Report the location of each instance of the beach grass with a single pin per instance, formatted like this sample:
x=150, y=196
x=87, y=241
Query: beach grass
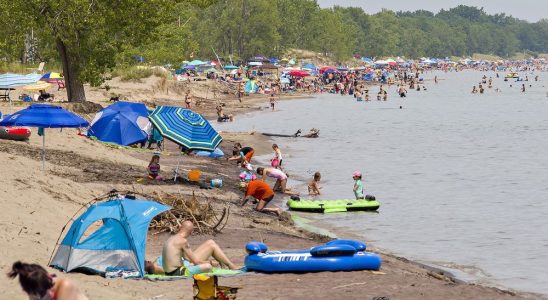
x=136, y=73
x=19, y=68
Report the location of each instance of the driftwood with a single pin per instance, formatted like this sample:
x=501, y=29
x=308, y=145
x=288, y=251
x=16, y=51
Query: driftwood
x=312, y=133
x=205, y=219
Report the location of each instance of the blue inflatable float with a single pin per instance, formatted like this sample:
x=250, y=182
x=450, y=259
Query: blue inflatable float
x=217, y=153
x=337, y=255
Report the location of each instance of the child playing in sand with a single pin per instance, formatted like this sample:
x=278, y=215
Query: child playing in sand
x=358, y=185
x=154, y=168
x=313, y=186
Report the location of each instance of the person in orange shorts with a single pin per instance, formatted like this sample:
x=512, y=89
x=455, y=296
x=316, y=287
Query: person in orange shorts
x=261, y=191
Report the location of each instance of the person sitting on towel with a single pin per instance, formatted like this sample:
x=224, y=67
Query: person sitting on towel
x=45, y=96
x=177, y=247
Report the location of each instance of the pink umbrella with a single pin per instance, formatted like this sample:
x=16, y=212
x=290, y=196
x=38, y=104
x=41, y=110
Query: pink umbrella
x=298, y=73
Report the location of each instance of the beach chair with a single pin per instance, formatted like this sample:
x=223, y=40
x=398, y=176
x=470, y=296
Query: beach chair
x=60, y=85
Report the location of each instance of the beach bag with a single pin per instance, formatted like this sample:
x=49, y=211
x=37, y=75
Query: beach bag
x=207, y=288
x=275, y=162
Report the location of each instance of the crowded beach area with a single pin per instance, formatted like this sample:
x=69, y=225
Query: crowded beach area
x=136, y=170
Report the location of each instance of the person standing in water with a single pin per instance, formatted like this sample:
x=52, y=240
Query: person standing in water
x=276, y=162
x=523, y=88
x=358, y=185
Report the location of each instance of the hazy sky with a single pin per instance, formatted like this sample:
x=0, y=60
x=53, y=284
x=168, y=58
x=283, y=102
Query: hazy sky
x=530, y=10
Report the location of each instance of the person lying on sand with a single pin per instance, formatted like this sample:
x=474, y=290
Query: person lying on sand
x=177, y=247
x=261, y=191
x=38, y=284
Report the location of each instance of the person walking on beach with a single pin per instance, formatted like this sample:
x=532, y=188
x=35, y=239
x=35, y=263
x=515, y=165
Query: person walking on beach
x=188, y=99
x=272, y=101
x=262, y=192
x=241, y=91
x=40, y=285
x=314, y=185
x=177, y=247
x=358, y=185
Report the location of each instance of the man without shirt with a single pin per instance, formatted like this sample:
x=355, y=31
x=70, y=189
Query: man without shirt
x=177, y=247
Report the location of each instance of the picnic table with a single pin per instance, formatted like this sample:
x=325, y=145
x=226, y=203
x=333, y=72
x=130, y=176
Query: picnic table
x=5, y=94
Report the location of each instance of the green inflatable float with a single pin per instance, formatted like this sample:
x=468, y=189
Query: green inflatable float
x=329, y=206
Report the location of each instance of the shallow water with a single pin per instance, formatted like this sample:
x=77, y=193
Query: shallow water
x=462, y=178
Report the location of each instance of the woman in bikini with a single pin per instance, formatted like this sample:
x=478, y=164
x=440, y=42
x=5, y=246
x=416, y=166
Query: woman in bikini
x=40, y=285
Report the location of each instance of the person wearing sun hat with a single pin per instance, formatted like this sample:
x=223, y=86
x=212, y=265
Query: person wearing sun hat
x=358, y=185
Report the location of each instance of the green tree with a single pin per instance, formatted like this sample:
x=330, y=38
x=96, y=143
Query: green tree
x=89, y=34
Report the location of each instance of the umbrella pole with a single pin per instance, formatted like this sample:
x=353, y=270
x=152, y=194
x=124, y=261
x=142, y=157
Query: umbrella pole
x=44, y=150
x=176, y=170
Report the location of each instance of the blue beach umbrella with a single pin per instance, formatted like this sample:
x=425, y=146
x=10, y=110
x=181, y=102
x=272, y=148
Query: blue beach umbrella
x=185, y=127
x=44, y=116
x=122, y=123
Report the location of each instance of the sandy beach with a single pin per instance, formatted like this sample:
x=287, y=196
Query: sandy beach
x=37, y=204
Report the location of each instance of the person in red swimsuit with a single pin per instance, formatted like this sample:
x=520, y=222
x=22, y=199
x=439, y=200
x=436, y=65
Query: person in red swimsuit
x=38, y=284
x=261, y=191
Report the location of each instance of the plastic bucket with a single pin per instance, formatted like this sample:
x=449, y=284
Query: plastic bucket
x=194, y=175
x=216, y=183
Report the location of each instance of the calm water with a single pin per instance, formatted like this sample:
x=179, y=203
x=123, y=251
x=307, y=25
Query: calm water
x=462, y=178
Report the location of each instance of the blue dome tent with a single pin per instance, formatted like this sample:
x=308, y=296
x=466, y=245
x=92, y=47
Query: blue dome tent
x=122, y=123
x=118, y=243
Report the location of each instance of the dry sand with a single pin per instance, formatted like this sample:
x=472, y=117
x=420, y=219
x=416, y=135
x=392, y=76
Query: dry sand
x=36, y=204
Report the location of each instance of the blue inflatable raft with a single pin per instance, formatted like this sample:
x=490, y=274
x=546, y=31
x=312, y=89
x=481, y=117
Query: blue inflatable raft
x=337, y=255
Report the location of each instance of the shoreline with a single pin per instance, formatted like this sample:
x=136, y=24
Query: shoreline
x=79, y=169
x=434, y=270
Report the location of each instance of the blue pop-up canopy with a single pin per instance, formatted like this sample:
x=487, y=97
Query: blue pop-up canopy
x=118, y=243
x=122, y=123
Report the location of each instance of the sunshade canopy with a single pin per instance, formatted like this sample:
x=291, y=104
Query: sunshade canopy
x=185, y=127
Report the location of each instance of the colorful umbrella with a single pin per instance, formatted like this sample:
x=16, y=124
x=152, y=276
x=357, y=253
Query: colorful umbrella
x=185, y=127
x=44, y=116
x=230, y=67
x=11, y=80
x=323, y=69
x=298, y=73
x=51, y=77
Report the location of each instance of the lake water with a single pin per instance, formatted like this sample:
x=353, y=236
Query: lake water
x=462, y=178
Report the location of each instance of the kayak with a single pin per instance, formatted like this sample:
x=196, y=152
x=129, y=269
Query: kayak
x=14, y=133
x=329, y=206
x=337, y=255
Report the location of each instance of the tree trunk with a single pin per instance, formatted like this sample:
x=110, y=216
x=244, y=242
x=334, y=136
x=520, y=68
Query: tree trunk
x=75, y=88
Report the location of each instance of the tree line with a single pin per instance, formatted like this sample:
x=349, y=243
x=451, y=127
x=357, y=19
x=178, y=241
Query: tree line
x=90, y=37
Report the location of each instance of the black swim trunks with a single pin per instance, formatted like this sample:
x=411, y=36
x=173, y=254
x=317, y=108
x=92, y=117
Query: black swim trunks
x=180, y=271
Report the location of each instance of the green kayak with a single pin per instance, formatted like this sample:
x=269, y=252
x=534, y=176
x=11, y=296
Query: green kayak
x=328, y=206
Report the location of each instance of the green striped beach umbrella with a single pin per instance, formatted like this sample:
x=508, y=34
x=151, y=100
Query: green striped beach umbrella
x=185, y=127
